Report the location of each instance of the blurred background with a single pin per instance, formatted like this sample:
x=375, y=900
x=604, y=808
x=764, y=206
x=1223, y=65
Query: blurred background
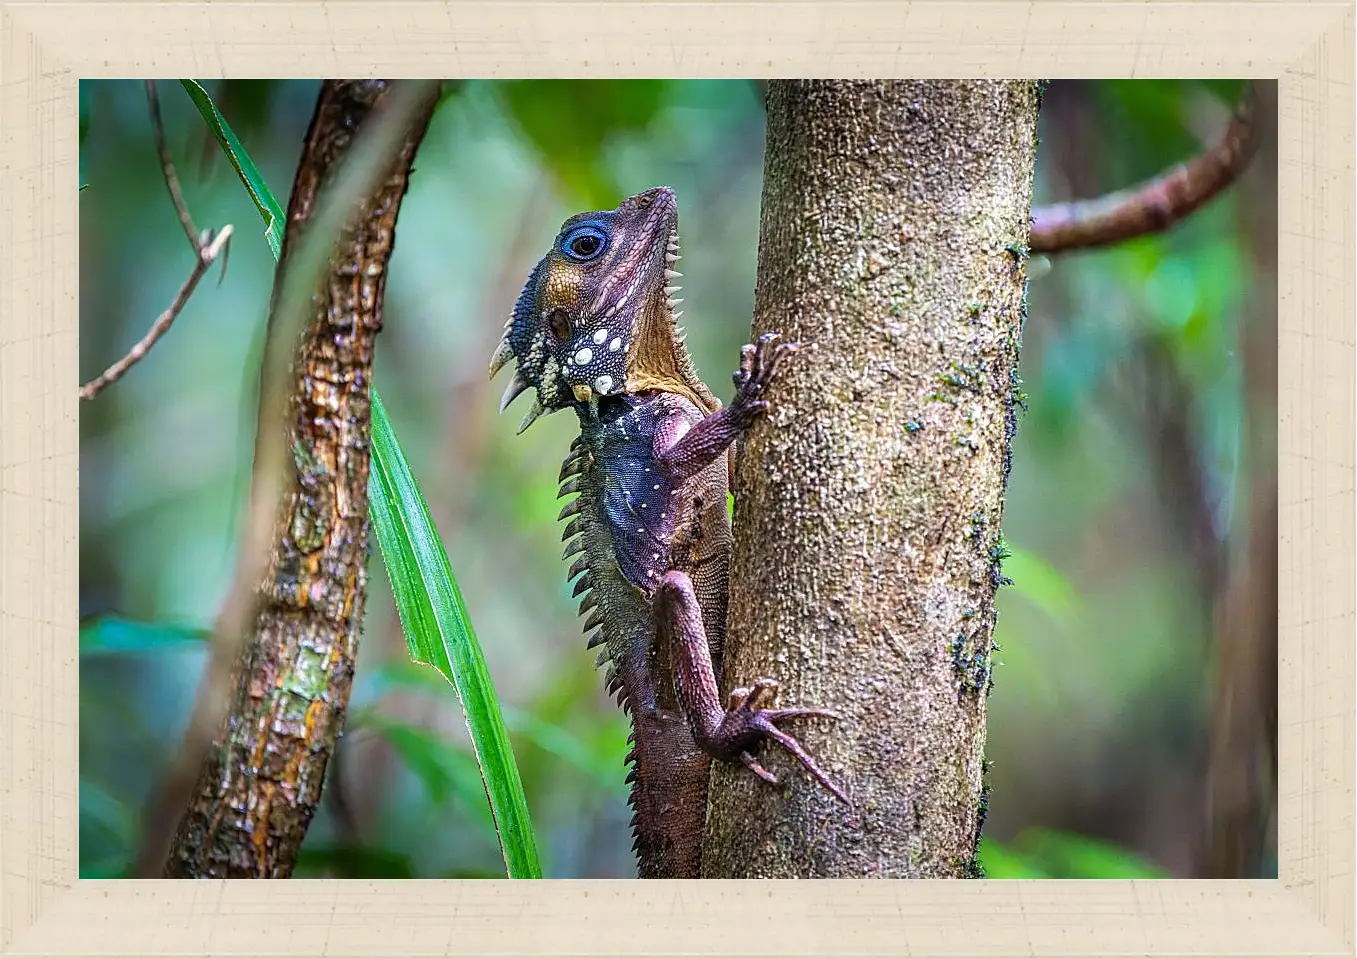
x=1145, y=435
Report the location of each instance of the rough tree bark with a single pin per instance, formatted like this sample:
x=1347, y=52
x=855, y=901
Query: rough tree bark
x=893, y=245
x=261, y=781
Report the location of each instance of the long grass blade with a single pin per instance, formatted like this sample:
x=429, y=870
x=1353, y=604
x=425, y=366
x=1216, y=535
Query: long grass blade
x=249, y=174
x=438, y=633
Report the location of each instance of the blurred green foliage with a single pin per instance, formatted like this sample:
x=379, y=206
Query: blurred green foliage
x=1047, y=853
x=1097, y=719
x=111, y=635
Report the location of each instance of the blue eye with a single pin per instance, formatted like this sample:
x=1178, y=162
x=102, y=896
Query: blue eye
x=583, y=243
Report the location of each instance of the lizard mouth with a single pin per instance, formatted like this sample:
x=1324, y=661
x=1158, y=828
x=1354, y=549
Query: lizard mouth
x=586, y=395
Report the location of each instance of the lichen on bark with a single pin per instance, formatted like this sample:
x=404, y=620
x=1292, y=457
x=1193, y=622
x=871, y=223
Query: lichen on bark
x=869, y=503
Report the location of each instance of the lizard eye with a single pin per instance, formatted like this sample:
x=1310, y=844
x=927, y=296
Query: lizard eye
x=559, y=323
x=584, y=243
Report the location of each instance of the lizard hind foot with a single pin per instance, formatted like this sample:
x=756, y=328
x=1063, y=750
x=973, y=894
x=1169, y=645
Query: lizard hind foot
x=751, y=718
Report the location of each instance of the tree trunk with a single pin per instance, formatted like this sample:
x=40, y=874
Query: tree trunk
x=260, y=784
x=1241, y=777
x=867, y=544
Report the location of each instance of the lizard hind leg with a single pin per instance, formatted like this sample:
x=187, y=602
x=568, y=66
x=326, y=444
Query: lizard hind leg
x=731, y=734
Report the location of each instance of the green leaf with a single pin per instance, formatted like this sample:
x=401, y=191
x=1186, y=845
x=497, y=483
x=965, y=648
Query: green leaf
x=600, y=760
x=437, y=629
x=465, y=873
x=98, y=808
x=569, y=748
x=84, y=187
x=438, y=633
x=573, y=122
x=404, y=674
x=117, y=865
x=112, y=635
x=249, y=173
x=1001, y=862
x=83, y=97
x=1229, y=92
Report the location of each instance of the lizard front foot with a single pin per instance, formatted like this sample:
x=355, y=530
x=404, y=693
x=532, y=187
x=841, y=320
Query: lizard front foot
x=750, y=718
x=758, y=365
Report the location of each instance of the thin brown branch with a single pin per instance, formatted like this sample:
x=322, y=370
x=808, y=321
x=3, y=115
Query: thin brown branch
x=1154, y=206
x=206, y=249
x=167, y=167
x=207, y=255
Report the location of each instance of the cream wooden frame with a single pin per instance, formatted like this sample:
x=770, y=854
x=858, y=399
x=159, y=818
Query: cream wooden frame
x=45, y=47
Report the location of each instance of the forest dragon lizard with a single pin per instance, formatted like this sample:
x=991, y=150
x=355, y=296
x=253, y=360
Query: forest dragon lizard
x=595, y=329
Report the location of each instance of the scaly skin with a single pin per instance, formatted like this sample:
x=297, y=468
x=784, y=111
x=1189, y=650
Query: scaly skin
x=595, y=330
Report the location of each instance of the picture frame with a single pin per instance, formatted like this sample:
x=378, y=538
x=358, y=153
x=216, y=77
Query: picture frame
x=45, y=48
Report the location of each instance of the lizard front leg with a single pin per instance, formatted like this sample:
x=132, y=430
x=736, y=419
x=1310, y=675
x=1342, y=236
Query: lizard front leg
x=684, y=448
x=732, y=734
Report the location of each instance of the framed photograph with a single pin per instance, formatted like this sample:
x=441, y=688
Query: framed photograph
x=599, y=453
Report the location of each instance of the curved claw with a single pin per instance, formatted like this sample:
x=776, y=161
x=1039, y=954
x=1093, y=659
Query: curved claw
x=759, y=363
x=742, y=375
x=756, y=372
x=782, y=351
x=762, y=695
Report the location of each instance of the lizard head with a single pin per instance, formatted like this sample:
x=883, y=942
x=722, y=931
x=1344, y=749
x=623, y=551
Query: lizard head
x=596, y=317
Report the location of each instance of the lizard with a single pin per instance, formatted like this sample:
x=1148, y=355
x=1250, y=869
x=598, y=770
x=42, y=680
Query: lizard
x=595, y=329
